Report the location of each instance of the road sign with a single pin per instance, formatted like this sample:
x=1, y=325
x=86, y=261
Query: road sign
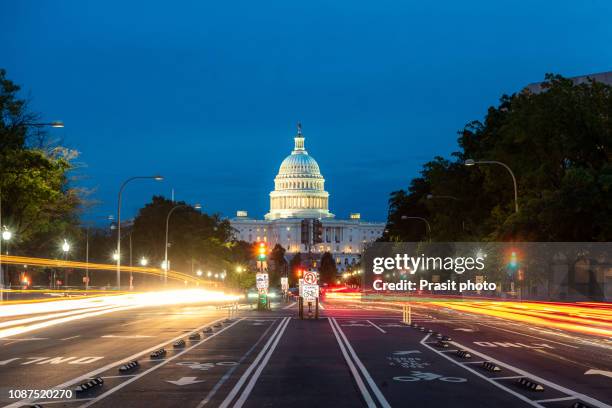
x=261, y=280
x=284, y=284
x=310, y=278
x=310, y=293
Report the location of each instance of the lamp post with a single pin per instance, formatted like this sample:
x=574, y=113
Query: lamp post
x=471, y=162
x=405, y=217
x=6, y=236
x=65, y=249
x=166, y=265
x=156, y=178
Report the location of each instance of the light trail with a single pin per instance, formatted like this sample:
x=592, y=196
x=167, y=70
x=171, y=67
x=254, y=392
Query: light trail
x=99, y=306
x=590, y=318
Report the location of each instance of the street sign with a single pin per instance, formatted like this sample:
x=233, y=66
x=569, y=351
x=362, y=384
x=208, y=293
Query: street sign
x=310, y=278
x=300, y=286
x=284, y=284
x=310, y=293
x=261, y=280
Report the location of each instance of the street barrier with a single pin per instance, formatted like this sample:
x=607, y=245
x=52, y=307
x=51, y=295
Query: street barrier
x=194, y=336
x=88, y=385
x=530, y=385
x=489, y=366
x=463, y=354
x=179, y=343
x=129, y=366
x=159, y=353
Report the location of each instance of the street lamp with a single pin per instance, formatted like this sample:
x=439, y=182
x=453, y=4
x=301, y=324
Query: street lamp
x=6, y=236
x=144, y=261
x=65, y=249
x=54, y=124
x=239, y=269
x=471, y=162
x=197, y=206
x=115, y=256
x=405, y=217
x=209, y=274
x=199, y=272
x=156, y=178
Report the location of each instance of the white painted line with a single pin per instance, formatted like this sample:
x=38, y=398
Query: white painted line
x=527, y=335
x=119, y=376
x=448, y=351
x=510, y=377
x=229, y=373
x=381, y=398
x=472, y=362
x=95, y=372
x=378, y=328
x=556, y=399
x=232, y=394
x=264, y=362
x=70, y=338
x=290, y=305
x=364, y=391
x=65, y=401
x=585, y=398
x=155, y=367
x=516, y=394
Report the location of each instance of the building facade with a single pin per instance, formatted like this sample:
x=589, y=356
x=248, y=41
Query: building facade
x=298, y=199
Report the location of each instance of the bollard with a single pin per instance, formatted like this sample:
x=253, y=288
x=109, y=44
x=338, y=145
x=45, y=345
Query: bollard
x=406, y=314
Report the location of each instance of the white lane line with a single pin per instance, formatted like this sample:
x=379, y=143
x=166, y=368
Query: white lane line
x=527, y=335
x=381, y=398
x=119, y=376
x=378, y=328
x=65, y=401
x=290, y=305
x=95, y=372
x=232, y=394
x=364, y=391
x=585, y=398
x=229, y=372
x=557, y=399
x=516, y=394
x=71, y=337
x=155, y=367
x=247, y=390
x=510, y=377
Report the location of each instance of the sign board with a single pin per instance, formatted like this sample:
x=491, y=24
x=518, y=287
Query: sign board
x=310, y=278
x=261, y=280
x=310, y=293
x=285, y=283
x=300, y=286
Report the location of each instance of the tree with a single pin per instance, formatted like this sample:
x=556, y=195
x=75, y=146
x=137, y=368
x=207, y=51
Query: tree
x=38, y=203
x=557, y=142
x=328, y=271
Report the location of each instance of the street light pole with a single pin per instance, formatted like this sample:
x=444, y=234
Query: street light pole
x=405, y=217
x=166, y=266
x=157, y=178
x=470, y=162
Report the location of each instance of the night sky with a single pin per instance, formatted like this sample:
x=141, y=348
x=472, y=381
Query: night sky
x=208, y=93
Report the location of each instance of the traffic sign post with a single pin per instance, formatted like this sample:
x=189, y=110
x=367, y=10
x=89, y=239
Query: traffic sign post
x=309, y=294
x=262, y=283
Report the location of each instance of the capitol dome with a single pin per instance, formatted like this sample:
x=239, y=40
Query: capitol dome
x=299, y=186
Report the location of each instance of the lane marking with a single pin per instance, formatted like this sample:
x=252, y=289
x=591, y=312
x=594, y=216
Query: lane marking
x=71, y=337
x=381, y=398
x=229, y=372
x=155, y=367
x=232, y=394
x=135, y=336
x=583, y=397
x=255, y=376
x=364, y=391
x=556, y=399
x=488, y=379
x=290, y=305
x=378, y=328
x=107, y=367
x=510, y=377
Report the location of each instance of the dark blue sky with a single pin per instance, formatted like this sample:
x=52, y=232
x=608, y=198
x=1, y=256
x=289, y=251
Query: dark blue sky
x=208, y=93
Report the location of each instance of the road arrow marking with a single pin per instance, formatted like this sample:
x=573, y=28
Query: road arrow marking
x=185, y=381
x=600, y=372
x=464, y=330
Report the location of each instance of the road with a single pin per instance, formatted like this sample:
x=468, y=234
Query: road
x=354, y=355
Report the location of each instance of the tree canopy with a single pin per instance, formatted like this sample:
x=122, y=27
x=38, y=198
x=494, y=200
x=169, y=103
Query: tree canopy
x=557, y=142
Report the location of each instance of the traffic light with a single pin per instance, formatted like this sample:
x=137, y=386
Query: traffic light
x=262, y=251
x=305, y=232
x=513, y=260
x=317, y=227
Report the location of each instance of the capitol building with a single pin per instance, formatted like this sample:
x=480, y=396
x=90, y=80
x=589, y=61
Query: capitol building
x=299, y=218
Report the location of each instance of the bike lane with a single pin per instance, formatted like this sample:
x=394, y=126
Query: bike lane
x=406, y=372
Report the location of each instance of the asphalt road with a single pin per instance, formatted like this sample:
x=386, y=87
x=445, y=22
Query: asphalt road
x=354, y=355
